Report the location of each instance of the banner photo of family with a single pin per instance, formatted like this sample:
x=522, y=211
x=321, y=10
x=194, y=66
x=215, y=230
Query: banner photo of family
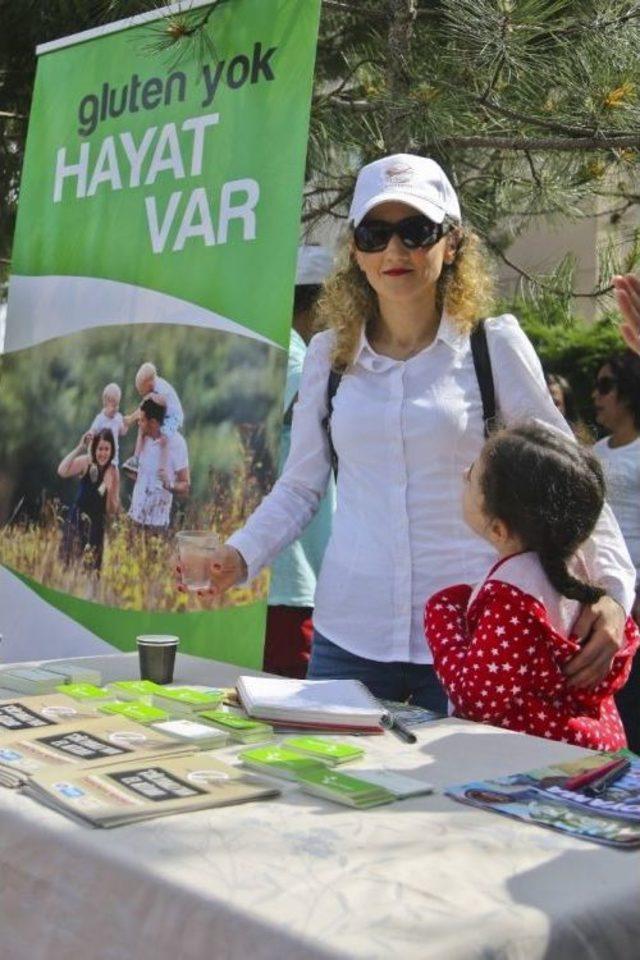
x=93, y=492
x=148, y=322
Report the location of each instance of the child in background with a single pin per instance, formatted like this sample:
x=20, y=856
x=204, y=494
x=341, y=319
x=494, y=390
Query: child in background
x=110, y=417
x=499, y=649
x=148, y=383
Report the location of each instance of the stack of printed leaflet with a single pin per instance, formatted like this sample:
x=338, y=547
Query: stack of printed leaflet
x=186, y=701
x=311, y=761
x=541, y=798
x=341, y=706
x=199, y=736
x=90, y=741
x=132, y=690
x=46, y=678
x=239, y=728
x=30, y=680
x=36, y=712
x=410, y=714
x=133, y=709
x=73, y=672
x=140, y=789
x=85, y=692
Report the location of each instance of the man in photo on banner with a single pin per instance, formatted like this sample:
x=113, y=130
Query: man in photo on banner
x=163, y=470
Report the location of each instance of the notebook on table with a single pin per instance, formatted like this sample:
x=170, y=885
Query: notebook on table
x=342, y=706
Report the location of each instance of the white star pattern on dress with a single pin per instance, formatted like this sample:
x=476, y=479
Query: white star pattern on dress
x=469, y=661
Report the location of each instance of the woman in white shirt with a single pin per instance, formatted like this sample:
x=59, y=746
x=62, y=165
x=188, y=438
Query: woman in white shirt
x=616, y=398
x=406, y=422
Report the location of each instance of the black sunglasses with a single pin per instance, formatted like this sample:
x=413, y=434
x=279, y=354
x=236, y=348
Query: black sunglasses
x=373, y=236
x=605, y=385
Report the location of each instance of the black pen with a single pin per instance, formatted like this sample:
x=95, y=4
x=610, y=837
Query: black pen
x=596, y=787
x=391, y=723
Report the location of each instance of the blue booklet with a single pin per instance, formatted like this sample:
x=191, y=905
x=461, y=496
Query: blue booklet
x=539, y=797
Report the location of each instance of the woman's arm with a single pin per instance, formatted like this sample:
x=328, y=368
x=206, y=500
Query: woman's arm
x=112, y=479
x=286, y=511
x=76, y=461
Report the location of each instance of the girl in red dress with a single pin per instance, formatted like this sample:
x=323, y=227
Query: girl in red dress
x=499, y=649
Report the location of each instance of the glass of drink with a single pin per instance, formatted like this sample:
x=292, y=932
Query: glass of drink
x=195, y=548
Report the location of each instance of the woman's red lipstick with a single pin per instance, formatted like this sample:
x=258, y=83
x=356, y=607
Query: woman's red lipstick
x=396, y=272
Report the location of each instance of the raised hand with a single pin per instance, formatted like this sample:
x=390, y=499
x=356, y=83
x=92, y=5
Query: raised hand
x=627, y=291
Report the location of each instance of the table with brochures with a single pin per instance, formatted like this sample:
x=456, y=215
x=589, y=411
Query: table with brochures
x=299, y=878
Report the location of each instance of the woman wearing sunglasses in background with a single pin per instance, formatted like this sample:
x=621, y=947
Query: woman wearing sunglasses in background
x=616, y=397
x=406, y=421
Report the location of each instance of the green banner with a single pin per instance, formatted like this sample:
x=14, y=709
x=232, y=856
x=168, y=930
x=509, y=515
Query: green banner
x=154, y=262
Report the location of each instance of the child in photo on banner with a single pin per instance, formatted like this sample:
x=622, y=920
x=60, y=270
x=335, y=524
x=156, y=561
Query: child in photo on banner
x=499, y=648
x=110, y=417
x=150, y=384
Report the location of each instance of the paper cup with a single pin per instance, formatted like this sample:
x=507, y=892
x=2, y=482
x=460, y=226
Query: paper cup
x=195, y=548
x=157, y=654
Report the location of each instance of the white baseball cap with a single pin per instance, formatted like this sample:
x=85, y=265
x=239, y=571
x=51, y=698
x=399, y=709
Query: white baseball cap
x=315, y=263
x=417, y=181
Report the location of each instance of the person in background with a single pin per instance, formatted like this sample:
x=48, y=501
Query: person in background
x=616, y=397
x=150, y=384
x=499, y=649
x=562, y=395
x=295, y=571
x=155, y=484
x=97, y=498
x=110, y=417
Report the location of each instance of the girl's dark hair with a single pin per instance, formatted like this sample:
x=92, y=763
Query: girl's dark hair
x=625, y=368
x=557, y=380
x=549, y=491
x=107, y=435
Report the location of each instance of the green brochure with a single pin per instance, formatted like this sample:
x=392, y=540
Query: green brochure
x=133, y=689
x=327, y=750
x=84, y=691
x=341, y=788
x=278, y=762
x=239, y=728
x=134, y=710
x=186, y=700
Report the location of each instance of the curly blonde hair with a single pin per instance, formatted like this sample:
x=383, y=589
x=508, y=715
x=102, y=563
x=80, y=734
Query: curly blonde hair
x=348, y=304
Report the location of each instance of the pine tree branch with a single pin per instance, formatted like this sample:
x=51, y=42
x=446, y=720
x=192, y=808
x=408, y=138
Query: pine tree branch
x=201, y=23
x=599, y=25
x=323, y=98
x=542, y=143
x=329, y=208
x=493, y=107
x=537, y=282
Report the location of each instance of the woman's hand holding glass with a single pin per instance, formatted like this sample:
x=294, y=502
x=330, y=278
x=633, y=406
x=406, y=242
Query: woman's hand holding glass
x=227, y=568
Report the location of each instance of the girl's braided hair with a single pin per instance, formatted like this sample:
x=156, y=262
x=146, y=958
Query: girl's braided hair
x=549, y=491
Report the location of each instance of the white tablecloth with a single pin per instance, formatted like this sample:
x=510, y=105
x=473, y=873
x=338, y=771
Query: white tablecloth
x=301, y=878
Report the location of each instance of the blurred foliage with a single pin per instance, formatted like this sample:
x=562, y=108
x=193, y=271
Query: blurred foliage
x=569, y=346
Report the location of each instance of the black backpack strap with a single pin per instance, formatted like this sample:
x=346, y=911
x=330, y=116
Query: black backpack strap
x=482, y=364
x=332, y=385
x=287, y=420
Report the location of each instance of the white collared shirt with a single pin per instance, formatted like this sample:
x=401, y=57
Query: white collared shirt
x=404, y=431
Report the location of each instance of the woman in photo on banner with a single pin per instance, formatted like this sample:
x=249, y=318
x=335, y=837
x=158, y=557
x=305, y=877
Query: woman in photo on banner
x=97, y=498
x=406, y=422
